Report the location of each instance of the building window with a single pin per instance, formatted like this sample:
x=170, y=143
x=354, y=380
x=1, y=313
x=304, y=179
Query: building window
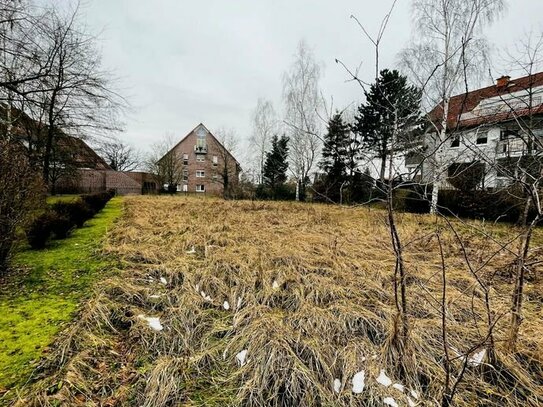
x=200, y=188
x=455, y=141
x=215, y=160
x=482, y=138
x=185, y=159
x=200, y=157
x=185, y=187
x=185, y=175
x=508, y=134
x=200, y=174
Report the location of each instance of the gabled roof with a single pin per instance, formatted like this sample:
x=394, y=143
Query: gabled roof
x=81, y=153
x=211, y=134
x=493, y=104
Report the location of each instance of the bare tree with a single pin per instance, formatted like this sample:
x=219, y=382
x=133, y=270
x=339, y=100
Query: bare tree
x=227, y=168
x=302, y=104
x=165, y=164
x=119, y=155
x=77, y=96
x=265, y=125
x=448, y=51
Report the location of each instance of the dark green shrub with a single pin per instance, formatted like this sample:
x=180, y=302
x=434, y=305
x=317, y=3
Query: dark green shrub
x=61, y=226
x=97, y=201
x=77, y=211
x=39, y=230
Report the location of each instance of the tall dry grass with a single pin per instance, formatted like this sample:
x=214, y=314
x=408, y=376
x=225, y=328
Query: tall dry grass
x=305, y=292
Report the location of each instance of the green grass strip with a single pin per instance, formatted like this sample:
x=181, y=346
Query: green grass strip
x=38, y=303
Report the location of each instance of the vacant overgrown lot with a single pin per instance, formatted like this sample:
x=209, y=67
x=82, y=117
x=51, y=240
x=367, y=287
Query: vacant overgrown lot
x=282, y=304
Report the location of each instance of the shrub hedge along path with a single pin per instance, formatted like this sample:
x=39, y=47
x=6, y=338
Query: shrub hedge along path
x=45, y=292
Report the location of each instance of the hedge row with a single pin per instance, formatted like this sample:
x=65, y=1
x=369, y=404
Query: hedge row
x=504, y=205
x=63, y=217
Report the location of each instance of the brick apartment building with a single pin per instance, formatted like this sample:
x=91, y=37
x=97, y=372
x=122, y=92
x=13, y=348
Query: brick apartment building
x=205, y=165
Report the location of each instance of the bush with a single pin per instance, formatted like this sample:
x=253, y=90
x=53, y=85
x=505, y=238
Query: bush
x=78, y=212
x=21, y=192
x=40, y=229
x=97, y=201
x=61, y=226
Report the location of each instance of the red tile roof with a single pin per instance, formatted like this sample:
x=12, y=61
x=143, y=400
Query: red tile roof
x=467, y=102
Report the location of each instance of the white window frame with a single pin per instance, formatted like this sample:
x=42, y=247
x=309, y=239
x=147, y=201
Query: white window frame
x=200, y=174
x=200, y=188
x=215, y=160
x=200, y=157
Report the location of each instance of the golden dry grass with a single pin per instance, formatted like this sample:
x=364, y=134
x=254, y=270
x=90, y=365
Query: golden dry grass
x=309, y=293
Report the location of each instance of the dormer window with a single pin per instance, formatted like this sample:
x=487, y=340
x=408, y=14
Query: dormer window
x=482, y=138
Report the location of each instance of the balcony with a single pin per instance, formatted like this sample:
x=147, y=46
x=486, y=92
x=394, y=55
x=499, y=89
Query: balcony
x=200, y=149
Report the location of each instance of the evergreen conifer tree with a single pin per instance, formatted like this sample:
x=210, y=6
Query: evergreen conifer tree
x=391, y=105
x=276, y=165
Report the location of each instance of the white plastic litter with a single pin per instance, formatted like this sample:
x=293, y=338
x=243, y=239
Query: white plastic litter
x=226, y=305
x=154, y=322
x=359, y=382
x=163, y=280
x=192, y=250
x=275, y=285
x=399, y=387
x=239, y=303
x=414, y=394
x=389, y=401
x=410, y=402
x=154, y=296
x=197, y=287
x=337, y=385
x=477, y=358
x=241, y=357
x=384, y=379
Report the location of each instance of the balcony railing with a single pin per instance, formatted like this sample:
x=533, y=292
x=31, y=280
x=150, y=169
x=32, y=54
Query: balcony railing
x=200, y=149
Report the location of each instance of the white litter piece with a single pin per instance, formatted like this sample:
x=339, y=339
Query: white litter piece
x=410, y=402
x=477, y=358
x=197, y=287
x=363, y=359
x=275, y=285
x=224, y=355
x=389, y=401
x=191, y=251
x=384, y=379
x=374, y=357
x=226, y=305
x=155, y=296
x=239, y=302
x=163, y=280
x=399, y=387
x=208, y=298
x=359, y=382
x=414, y=394
x=202, y=293
x=337, y=385
x=241, y=357
x=154, y=322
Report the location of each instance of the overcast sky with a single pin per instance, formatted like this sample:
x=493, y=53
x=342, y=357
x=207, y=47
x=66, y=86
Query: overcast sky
x=185, y=62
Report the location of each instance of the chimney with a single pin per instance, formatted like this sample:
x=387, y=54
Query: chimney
x=503, y=81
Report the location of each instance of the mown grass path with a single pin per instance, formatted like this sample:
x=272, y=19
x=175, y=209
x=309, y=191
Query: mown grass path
x=34, y=308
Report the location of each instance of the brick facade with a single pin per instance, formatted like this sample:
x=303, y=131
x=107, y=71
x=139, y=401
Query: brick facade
x=92, y=180
x=205, y=162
